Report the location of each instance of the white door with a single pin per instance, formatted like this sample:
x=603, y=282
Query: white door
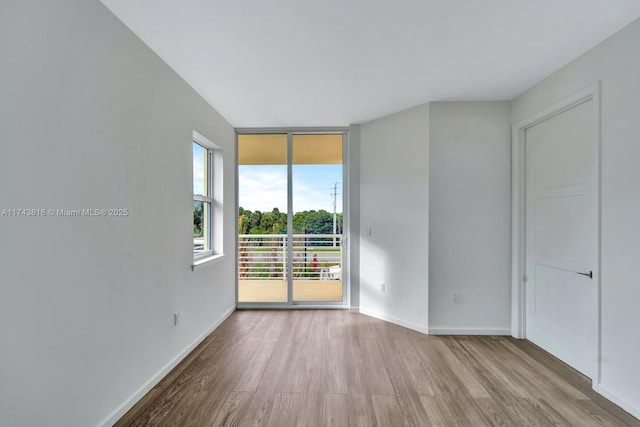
x=561, y=246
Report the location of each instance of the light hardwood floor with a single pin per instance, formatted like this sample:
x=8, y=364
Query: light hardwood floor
x=333, y=367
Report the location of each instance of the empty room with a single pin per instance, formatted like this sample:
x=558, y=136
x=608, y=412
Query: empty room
x=346, y=213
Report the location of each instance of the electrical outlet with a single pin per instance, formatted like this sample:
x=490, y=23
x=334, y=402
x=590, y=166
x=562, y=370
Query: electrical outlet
x=383, y=287
x=369, y=231
x=176, y=318
x=455, y=297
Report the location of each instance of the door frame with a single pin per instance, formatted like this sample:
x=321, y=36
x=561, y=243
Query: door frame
x=346, y=246
x=518, y=215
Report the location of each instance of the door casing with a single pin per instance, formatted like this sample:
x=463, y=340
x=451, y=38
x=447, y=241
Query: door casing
x=518, y=188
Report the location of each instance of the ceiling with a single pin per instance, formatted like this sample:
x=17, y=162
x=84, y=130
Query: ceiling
x=271, y=63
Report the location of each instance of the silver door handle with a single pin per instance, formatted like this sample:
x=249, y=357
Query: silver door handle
x=589, y=274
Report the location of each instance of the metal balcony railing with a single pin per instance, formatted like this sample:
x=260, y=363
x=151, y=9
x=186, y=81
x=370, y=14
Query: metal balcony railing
x=315, y=256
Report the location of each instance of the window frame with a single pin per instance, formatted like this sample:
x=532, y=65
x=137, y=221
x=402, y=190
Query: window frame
x=209, y=198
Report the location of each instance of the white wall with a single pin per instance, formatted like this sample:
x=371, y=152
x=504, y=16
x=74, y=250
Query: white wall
x=91, y=118
x=394, y=195
x=616, y=63
x=470, y=217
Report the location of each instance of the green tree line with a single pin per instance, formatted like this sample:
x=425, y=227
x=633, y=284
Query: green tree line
x=197, y=219
x=275, y=222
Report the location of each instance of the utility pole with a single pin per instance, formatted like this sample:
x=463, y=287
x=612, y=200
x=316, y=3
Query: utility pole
x=334, y=194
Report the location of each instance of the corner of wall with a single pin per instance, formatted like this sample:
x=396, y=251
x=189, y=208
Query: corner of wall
x=469, y=249
x=394, y=217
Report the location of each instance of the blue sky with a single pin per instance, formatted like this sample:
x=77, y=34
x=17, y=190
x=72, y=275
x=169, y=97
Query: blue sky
x=265, y=187
x=198, y=169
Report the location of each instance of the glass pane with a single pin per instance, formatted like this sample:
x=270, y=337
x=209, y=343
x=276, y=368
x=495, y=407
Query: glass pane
x=200, y=178
x=201, y=227
x=206, y=225
x=262, y=222
x=317, y=218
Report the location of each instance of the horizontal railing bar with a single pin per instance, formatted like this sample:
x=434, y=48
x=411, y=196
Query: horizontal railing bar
x=324, y=248
x=295, y=257
x=284, y=236
x=301, y=249
x=280, y=279
x=332, y=254
x=259, y=264
x=327, y=245
x=315, y=257
x=264, y=248
x=295, y=260
x=279, y=274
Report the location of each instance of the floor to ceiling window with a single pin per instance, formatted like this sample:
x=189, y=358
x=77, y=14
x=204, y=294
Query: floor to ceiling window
x=290, y=218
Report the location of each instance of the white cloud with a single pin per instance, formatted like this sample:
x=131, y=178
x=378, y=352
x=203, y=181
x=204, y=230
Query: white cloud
x=307, y=196
x=265, y=187
x=198, y=170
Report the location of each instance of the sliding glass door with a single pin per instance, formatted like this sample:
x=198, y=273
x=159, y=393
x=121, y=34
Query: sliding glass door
x=290, y=219
x=262, y=218
x=317, y=218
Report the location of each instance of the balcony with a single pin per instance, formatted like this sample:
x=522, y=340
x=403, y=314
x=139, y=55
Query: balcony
x=316, y=267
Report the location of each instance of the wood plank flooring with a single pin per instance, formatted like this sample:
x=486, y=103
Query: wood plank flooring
x=336, y=368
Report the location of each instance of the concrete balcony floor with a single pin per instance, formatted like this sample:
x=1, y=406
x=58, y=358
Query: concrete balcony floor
x=276, y=290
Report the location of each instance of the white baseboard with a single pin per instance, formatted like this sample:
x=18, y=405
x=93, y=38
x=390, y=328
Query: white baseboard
x=470, y=331
x=630, y=408
x=153, y=381
x=435, y=331
x=395, y=320
x=354, y=309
